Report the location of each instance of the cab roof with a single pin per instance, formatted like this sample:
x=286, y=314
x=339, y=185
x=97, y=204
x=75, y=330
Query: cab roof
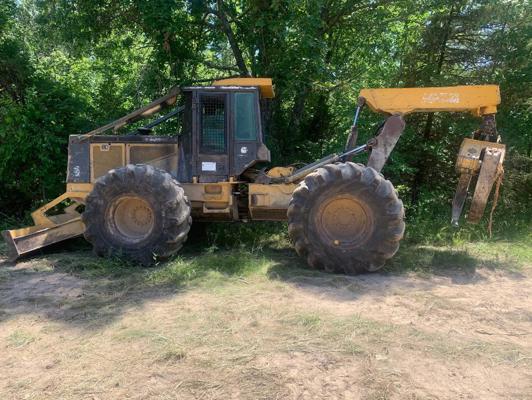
x=265, y=85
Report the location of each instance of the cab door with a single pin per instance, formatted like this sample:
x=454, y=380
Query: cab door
x=212, y=144
x=246, y=130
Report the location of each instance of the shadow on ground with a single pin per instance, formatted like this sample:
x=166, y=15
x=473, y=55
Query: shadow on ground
x=459, y=265
x=68, y=284
x=414, y=267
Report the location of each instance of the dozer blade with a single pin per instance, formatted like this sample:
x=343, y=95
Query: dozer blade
x=489, y=173
x=25, y=240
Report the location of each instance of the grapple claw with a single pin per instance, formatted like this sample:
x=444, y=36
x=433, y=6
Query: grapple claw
x=476, y=158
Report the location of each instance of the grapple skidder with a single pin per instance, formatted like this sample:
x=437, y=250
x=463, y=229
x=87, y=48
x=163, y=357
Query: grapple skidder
x=136, y=194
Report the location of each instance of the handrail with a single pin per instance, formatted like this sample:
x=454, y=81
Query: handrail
x=140, y=113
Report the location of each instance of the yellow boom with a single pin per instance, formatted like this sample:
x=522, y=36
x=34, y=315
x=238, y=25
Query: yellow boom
x=480, y=156
x=479, y=100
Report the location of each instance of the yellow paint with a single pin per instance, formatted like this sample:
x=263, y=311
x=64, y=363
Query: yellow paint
x=211, y=192
x=468, y=160
x=80, y=187
x=264, y=84
x=271, y=196
x=48, y=229
x=39, y=215
x=269, y=202
x=479, y=100
x=25, y=240
x=212, y=197
x=280, y=172
x=105, y=164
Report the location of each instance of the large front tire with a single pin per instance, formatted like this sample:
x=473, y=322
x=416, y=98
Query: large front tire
x=346, y=218
x=137, y=211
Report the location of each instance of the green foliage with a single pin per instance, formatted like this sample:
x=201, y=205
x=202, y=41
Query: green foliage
x=34, y=137
x=209, y=268
x=67, y=66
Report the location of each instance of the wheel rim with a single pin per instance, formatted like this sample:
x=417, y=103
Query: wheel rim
x=344, y=221
x=132, y=218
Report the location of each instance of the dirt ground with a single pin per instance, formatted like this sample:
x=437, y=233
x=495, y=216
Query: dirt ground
x=272, y=335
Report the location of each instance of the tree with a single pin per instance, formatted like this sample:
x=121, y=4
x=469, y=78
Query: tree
x=70, y=65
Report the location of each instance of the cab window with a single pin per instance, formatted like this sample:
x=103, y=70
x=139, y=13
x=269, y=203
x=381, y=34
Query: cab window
x=213, y=137
x=245, y=116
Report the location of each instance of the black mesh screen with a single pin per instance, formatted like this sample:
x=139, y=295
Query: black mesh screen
x=213, y=124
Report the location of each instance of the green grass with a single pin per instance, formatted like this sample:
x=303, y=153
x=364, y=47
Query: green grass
x=518, y=250
x=242, y=251
x=86, y=265
x=19, y=339
x=309, y=321
x=428, y=259
x=211, y=267
x=356, y=335
x=171, y=355
x=221, y=306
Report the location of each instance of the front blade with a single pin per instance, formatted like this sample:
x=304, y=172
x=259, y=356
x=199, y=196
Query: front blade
x=26, y=240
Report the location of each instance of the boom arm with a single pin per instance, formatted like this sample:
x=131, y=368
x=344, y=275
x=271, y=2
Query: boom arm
x=479, y=100
x=480, y=157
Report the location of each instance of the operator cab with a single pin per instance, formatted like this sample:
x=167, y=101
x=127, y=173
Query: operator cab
x=222, y=133
x=220, y=136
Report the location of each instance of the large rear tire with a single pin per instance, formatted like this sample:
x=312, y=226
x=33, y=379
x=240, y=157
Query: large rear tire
x=346, y=218
x=137, y=211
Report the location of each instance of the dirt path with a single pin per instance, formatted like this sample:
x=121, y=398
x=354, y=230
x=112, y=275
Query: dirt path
x=380, y=336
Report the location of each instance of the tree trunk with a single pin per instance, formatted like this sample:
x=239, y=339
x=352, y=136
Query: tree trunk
x=237, y=52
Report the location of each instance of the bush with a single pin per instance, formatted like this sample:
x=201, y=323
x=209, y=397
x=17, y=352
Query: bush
x=34, y=138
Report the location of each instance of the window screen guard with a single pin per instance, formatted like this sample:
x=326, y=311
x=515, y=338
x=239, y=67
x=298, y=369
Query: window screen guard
x=213, y=132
